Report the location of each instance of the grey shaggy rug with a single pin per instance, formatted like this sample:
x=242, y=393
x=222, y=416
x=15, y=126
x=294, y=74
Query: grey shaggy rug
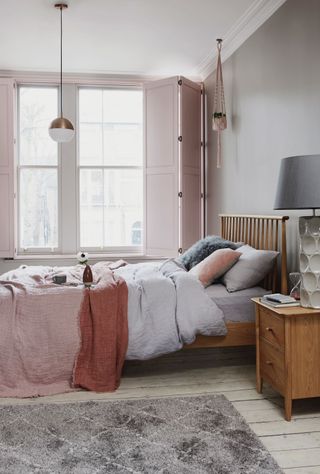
x=190, y=435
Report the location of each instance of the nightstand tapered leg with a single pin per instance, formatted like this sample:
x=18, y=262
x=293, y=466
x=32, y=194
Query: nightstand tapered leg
x=259, y=383
x=287, y=408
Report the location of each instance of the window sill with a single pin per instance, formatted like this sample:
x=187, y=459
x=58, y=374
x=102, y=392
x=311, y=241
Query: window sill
x=70, y=260
x=92, y=257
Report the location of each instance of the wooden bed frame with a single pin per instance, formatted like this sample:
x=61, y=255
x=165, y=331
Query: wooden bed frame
x=261, y=232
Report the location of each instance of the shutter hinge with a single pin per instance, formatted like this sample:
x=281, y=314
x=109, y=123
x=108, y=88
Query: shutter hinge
x=180, y=138
x=14, y=141
x=180, y=194
x=180, y=250
x=180, y=82
x=201, y=143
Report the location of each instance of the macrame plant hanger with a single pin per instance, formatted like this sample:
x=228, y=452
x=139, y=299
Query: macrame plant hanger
x=219, y=117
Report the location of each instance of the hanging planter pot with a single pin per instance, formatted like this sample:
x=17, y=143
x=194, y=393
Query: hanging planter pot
x=219, y=116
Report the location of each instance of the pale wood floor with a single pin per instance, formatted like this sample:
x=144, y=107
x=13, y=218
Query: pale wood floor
x=295, y=445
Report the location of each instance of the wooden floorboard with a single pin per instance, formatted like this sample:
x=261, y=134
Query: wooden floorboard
x=303, y=470
x=295, y=445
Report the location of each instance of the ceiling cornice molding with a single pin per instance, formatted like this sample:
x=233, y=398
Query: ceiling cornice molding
x=94, y=79
x=75, y=78
x=257, y=14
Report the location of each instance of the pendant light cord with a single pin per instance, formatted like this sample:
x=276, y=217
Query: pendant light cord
x=61, y=111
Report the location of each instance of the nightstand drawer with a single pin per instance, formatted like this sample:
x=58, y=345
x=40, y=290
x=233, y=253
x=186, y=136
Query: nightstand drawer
x=272, y=365
x=271, y=327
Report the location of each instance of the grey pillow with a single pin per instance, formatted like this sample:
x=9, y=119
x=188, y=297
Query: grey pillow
x=251, y=268
x=203, y=248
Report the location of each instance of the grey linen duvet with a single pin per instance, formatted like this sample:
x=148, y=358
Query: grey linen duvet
x=167, y=308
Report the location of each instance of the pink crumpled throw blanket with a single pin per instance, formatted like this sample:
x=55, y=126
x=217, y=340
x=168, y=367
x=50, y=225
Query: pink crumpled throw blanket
x=39, y=331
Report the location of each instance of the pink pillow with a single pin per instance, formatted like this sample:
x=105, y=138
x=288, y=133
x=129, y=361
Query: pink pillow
x=215, y=265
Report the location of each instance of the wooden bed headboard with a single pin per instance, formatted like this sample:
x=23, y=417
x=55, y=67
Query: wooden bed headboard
x=261, y=232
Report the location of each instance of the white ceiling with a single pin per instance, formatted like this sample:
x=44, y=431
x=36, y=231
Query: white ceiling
x=148, y=37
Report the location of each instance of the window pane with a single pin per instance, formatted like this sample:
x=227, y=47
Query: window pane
x=90, y=144
x=38, y=106
x=123, y=207
x=121, y=106
x=91, y=208
x=123, y=144
x=110, y=124
x=38, y=208
x=111, y=208
x=90, y=105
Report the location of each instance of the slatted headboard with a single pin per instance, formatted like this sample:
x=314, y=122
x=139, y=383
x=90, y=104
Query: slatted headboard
x=261, y=232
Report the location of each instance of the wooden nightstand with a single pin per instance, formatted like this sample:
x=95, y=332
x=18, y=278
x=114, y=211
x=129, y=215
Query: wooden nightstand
x=288, y=351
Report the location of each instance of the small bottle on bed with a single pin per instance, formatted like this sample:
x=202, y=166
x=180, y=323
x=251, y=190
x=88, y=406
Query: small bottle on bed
x=87, y=277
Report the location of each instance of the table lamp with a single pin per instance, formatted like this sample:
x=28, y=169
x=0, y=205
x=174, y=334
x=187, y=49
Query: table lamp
x=299, y=188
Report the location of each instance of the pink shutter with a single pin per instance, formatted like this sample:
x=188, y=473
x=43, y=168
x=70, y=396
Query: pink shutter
x=161, y=236
x=6, y=167
x=191, y=211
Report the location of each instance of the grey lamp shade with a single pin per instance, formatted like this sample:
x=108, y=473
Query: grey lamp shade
x=299, y=183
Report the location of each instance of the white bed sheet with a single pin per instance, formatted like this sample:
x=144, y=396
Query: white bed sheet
x=236, y=306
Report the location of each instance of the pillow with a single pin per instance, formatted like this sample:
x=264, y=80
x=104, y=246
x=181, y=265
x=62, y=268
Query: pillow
x=215, y=265
x=204, y=247
x=251, y=268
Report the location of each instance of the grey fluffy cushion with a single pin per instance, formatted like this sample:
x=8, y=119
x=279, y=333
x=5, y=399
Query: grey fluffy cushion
x=203, y=248
x=251, y=268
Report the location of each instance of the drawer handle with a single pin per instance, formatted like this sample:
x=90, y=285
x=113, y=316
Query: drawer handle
x=268, y=362
x=269, y=329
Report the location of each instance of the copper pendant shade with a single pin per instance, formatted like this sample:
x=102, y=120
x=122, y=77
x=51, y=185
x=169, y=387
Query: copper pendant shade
x=61, y=129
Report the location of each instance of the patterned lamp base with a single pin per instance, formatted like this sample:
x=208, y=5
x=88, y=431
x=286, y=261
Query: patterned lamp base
x=309, y=229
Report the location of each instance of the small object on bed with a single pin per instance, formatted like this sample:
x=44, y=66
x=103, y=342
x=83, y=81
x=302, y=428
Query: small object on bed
x=203, y=248
x=82, y=257
x=87, y=276
x=59, y=279
x=215, y=265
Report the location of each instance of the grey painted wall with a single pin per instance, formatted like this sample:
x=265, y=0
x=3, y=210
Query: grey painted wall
x=272, y=87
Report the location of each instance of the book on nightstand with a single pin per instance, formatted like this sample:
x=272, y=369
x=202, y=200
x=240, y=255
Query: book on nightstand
x=277, y=300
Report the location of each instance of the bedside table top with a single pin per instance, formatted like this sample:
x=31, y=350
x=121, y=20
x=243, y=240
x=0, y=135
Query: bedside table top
x=293, y=311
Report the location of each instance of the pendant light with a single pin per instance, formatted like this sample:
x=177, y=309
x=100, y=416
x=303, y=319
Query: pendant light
x=61, y=129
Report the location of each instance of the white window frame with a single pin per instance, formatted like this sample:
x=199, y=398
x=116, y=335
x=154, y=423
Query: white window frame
x=68, y=159
x=137, y=249
x=19, y=167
